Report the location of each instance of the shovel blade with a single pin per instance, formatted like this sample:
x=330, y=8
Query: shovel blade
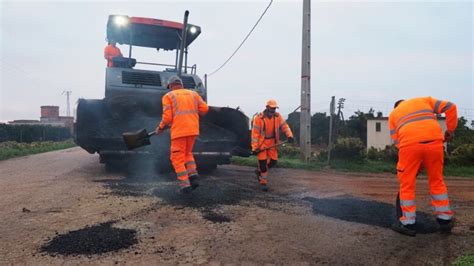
x=136, y=139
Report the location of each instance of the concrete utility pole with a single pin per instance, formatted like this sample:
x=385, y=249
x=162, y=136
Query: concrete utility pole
x=305, y=118
x=332, y=109
x=68, y=106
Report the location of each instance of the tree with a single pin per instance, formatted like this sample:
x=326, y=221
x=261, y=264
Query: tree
x=319, y=129
x=356, y=125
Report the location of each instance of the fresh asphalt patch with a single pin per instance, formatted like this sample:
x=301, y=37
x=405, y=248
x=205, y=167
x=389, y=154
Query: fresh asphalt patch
x=368, y=212
x=91, y=240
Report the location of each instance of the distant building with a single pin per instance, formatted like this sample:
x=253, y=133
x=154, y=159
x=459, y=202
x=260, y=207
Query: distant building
x=378, y=133
x=49, y=116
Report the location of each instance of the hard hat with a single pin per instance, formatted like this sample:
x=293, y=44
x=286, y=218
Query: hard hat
x=174, y=79
x=272, y=104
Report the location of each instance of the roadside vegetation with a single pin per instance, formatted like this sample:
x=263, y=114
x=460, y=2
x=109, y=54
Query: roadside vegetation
x=466, y=260
x=10, y=149
x=30, y=133
x=350, y=153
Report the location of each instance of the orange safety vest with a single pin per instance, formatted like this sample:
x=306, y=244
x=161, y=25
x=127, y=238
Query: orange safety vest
x=414, y=120
x=261, y=123
x=110, y=52
x=181, y=110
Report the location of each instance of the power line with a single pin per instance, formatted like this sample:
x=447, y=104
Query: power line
x=245, y=39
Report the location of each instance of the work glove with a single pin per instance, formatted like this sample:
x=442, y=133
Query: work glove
x=291, y=140
x=448, y=136
x=159, y=130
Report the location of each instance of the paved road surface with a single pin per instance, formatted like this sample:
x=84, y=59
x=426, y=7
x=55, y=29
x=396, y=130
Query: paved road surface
x=62, y=207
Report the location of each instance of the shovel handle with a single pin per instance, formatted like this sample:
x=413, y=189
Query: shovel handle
x=151, y=133
x=274, y=145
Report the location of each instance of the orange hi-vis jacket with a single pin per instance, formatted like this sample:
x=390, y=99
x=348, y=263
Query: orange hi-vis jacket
x=260, y=125
x=111, y=52
x=414, y=120
x=181, y=110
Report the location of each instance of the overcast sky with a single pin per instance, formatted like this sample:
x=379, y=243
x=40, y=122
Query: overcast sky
x=371, y=53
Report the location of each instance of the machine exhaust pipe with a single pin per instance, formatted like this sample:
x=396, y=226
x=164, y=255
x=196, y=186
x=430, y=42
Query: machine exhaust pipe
x=184, y=34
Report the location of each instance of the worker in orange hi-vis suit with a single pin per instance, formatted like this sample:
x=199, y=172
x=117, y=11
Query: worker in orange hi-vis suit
x=181, y=110
x=415, y=131
x=266, y=128
x=110, y=52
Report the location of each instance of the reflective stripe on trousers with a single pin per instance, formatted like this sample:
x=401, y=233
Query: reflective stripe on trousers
x=181, y=156
x=410, y=158
x=441, y=208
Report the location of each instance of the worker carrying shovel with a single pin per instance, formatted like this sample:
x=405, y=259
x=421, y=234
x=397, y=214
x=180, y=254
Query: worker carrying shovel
x=415, y=131
x=266, y=128
x=181, y=111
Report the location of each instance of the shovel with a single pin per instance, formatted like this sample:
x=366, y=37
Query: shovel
x=137, y=139
x=247, y=153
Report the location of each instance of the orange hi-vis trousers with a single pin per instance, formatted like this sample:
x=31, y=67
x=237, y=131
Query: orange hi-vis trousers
x=182, y=159
x=267, y=156
x=410, y=158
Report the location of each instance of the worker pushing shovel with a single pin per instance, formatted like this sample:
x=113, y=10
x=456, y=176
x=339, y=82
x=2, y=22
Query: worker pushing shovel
x=181, y=111
x=415, y=131
x=266, y=128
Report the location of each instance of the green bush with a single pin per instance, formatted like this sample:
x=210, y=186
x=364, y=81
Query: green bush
x=374, y=154
x=10, y=149
x=322, y=156
x=31, y=133
x=289, y=151
x=389, y=154
x=462, y=155
x=349, y=149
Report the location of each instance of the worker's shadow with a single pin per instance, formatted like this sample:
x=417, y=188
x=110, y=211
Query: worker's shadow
x=367, y=212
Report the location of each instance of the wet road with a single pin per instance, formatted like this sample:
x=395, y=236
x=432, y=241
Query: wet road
x=61, y=207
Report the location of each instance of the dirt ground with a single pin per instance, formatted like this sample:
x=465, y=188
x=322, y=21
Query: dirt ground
x=63, y=208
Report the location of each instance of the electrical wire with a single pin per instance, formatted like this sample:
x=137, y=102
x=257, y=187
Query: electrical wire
x=242, y=43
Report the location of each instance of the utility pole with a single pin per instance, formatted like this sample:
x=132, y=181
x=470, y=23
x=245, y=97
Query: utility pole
x=305, y=118
x=68, y=106
x=332, y=108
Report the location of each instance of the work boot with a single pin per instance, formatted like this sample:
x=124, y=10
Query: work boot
x=445, y=226
x=194, y=181
x=258, y=173
x=187, y=190
x=408, y=229
x=264, y=187
x=186, y=187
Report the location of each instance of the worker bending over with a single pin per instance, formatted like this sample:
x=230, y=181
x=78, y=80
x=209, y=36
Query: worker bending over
x=266, y=129
x=414, y=129
x=181, y=111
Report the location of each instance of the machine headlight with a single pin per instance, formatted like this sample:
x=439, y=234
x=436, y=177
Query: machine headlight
x=193, y=30
x=121, y=21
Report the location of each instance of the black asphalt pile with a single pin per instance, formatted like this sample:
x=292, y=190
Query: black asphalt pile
x=91, y=240
x=367, y=212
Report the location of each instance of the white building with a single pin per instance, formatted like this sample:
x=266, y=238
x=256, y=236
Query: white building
x=378, y=133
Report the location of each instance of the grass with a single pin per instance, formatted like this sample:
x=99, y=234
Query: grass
x=11, y=149
x=364, y=166
x=464, y=260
